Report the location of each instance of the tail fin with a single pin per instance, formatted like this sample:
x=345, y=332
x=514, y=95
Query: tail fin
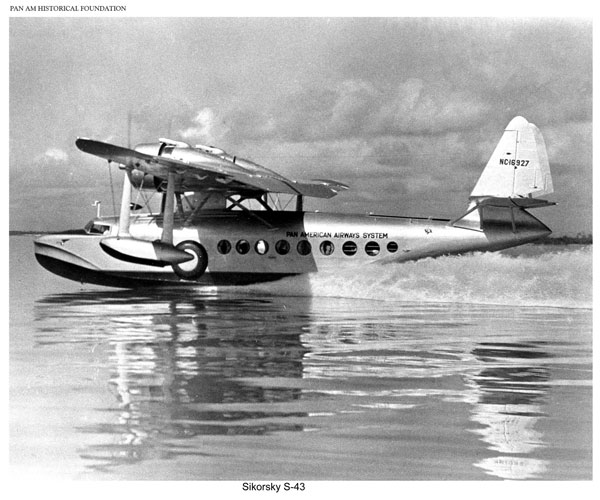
x=517, y=172
x=518, y=167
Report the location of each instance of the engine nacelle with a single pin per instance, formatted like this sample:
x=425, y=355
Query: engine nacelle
x=140, y=180
x=152, y=148
x=179, y=151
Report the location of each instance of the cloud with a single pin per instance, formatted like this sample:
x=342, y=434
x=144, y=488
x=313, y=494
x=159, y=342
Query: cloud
x=379, y=103
x=50, y=168
x=55, y=168
x=351, y=111
x=357, y=108
x=53, y=155
x=421, y=108
x=206, y=126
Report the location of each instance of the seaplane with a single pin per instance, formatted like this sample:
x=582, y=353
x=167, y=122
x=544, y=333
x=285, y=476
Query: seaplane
x=215, y=221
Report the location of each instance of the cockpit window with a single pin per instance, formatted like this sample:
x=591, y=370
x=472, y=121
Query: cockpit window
x=93, y=227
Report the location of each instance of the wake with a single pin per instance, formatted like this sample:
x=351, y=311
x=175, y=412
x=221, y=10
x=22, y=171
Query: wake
x=553, y=279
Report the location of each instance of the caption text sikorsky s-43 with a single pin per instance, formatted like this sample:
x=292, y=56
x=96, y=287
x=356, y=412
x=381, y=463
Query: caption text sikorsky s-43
x=218, y=222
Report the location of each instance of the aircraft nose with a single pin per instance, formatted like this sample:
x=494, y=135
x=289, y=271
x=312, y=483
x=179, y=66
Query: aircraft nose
x=46, y=239
x=53, y=240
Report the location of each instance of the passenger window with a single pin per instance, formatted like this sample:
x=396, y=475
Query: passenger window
x=372, y=248
x=282, y=247
x=349, y=248
x=304, y=247
x=326, y=248
x=261, y=247
x=242, y=247
x=392, y=247
x=224, y=247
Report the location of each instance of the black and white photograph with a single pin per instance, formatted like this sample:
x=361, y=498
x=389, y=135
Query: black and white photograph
x=276, y=250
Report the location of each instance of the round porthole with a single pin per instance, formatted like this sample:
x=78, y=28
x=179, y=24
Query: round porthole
x=304, y=247
x=224, y=247
x=392, y=247
x=326, y=247
x=282, y=247
x=242, y=247
x=261, y=247
x=349, y=248
x=372, y=248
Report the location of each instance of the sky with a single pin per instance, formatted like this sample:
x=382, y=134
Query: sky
x=407, y=111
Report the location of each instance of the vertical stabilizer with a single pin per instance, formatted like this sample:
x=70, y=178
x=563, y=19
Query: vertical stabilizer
x=518, y=166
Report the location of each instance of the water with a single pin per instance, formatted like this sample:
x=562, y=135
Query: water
x=477, y=367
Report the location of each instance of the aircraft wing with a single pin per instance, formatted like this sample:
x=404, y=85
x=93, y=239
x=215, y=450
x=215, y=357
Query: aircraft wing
x=204, y=171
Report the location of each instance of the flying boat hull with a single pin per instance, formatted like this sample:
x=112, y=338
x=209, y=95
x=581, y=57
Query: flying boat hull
x=222, y=238
x=242, y=250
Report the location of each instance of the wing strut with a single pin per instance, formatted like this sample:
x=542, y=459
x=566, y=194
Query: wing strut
x=169, y=213
x=152, y=253
x=125, y=212
x=238, y=203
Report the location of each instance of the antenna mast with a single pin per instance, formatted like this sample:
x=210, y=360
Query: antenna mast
x=129, y=129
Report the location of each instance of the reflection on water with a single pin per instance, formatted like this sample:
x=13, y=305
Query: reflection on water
x=185, y=365
x=174, y=375
x=510, y=394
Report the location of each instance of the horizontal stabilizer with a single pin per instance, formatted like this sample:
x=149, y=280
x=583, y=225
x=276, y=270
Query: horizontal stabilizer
x=514, y=202
x=518, y=166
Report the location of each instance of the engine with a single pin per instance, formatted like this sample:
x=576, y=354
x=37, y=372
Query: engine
x=140, y=180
